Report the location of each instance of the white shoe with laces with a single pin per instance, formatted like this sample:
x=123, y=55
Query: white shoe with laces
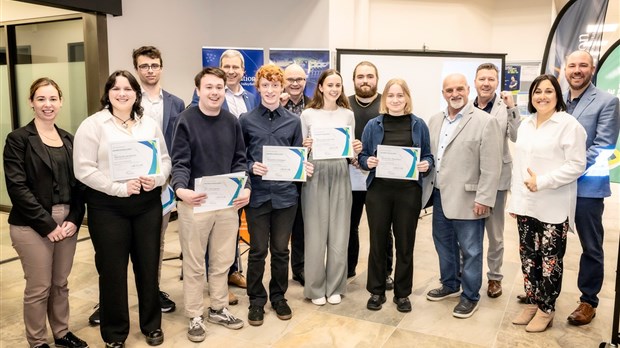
x=334, y=299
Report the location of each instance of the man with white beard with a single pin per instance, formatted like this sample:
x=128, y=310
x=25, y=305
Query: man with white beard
x=465, y=142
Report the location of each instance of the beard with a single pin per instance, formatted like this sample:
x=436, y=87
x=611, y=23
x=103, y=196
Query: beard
x=365, y=93
x=457, y=104
x=586, y=81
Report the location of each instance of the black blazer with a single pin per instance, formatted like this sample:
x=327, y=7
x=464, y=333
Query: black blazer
x=29, y=180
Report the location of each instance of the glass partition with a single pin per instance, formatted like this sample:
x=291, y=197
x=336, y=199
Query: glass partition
x=52, y=49
x=5, y=111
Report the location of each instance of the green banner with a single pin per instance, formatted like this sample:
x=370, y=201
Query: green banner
x=608, y=79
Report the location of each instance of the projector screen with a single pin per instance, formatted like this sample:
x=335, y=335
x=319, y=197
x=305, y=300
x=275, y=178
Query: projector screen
x=423, y=71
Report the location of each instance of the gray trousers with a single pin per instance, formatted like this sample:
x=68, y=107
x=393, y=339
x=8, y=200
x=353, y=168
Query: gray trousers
x=495, y=233
x=326, y=206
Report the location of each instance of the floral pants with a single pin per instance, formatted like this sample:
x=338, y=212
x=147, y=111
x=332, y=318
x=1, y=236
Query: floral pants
x=541, y=248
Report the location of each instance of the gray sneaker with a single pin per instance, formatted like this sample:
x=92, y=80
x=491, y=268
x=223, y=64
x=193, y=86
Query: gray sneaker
x=197, y=331
x=225, y=318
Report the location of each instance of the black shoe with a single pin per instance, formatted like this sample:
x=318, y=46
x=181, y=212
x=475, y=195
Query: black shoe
x=375, y=302
x=154, y=338
x=256, y=315
x=43, y=345
x=283, y=311
x=174, y=215
x=70, y=341
x=351, y=275
x=299, y=277
x=166, y=304
x=389, y=283
x=115, y=344
x=94, y=318
x=465, y=308
x=441, y=293
x=402, y=304
x=522, y=298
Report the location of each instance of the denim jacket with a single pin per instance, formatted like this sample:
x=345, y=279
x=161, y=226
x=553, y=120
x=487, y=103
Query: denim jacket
x=373, y=136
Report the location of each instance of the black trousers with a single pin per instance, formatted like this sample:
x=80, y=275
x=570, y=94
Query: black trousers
x=353, y=251
x=297, y=238
x=123, y=228
x=270, y=230
x=395, y=204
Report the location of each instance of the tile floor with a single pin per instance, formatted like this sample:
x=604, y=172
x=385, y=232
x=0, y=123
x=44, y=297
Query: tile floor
x=348, y=324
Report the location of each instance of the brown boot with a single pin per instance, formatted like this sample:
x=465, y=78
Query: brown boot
x=540, y=322
x=526, y=315
x=232, y=299
x=582, y=315
x=495, y=288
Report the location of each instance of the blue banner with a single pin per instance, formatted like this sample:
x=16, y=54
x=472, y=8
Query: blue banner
x=253, y=58
x=314, y=62
x=570, y=33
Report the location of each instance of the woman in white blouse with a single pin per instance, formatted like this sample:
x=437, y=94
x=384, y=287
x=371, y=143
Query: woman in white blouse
x=550, y=155
x=124, y=216
x=326, y=197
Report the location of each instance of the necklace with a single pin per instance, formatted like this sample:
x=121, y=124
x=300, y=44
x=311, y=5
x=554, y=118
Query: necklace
x=124, y=124
x=362, y=104
x=52, y=139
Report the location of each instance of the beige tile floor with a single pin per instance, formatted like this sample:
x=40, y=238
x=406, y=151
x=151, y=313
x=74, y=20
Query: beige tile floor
x=349, y=324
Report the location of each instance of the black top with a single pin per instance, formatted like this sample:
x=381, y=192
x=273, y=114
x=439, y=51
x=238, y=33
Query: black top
x=397, y=130
x=61, y=178
x=364, y=113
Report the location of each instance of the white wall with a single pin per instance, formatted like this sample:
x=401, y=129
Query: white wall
x=180, y=29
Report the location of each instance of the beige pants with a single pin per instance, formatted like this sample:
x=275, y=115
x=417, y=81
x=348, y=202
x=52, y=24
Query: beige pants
x=216, y=230
x=46, y=267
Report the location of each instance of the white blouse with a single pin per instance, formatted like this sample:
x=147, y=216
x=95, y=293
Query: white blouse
x=326, y=118
x=91, y=162
x=556, y=153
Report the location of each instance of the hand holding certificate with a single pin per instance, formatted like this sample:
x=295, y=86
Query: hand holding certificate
x=285, y=163
x=134, y=158
x=221, y=190
x=334, y=142
x=396, y=162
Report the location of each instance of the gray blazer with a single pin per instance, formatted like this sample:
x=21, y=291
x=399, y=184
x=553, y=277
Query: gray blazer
x=471, y=164
x=509, y=122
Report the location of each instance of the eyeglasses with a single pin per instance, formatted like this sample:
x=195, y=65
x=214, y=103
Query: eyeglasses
x=298, y=80
x=146, y=67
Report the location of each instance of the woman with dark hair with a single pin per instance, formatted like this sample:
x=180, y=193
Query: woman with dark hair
x=550, y=155
x=326, y=196
x=124, y=217
x=46, y=215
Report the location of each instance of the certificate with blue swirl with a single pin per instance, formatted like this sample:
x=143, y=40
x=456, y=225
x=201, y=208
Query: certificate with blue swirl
x=332, y=142
x=285, y=163
x=221, y=190
x=397, y=162
x=134, y=158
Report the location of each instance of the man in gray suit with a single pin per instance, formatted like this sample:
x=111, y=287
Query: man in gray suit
x=599, y=114
x=507, y=115
x=466, y=143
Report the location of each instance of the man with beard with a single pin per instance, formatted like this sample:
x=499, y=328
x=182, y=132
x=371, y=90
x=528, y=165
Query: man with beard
x=465, y=141
x=294, y=100
x=598, y=113
x=504, y=110
x=365, y=104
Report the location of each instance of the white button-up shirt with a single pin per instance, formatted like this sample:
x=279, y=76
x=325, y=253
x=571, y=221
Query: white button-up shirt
x=556, y=153
x=235, y=101
x=154, y=108
x=447, y=130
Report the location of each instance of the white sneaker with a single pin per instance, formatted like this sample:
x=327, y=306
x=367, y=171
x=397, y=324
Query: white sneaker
x=319, y=301
x=334, y=299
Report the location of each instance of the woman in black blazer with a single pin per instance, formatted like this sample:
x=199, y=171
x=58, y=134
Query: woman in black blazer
x=46, y=215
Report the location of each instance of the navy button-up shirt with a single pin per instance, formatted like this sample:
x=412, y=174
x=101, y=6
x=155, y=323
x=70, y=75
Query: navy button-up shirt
x=279, y=127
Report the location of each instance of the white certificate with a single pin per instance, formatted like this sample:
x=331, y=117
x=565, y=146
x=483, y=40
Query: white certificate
x=167, y=200
x=285, y=163
x=134, y=158
x=333, y=142
x=221, y=190
x=396, y=162
x=358, y=178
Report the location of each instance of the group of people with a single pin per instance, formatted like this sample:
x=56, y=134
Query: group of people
x=465, y=172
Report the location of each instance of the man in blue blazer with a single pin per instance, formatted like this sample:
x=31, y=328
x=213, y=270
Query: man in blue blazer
x=599, y=114
x=238, y=100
